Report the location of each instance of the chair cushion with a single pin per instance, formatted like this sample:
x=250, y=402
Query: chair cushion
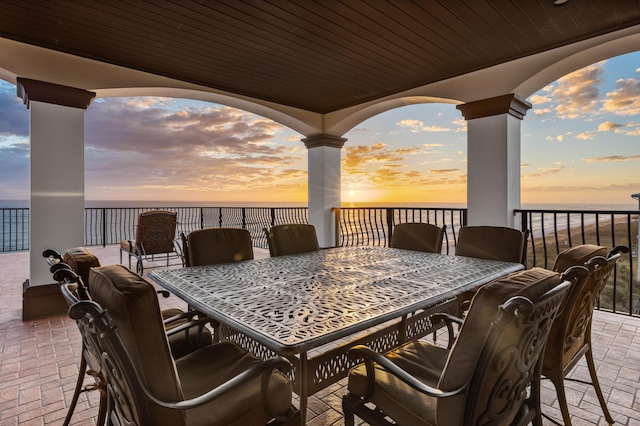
x=81, y=260
x=465, y=352
x=491, y=242
x=405, y=405
x=132, y=301
x=184, y=342
x=208, y=367
x=577, y=256
x=417, y=236
x=293, y=239
x=127, y=245
x=219, y=245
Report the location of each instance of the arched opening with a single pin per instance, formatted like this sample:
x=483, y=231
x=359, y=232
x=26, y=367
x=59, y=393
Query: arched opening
x=579, y=141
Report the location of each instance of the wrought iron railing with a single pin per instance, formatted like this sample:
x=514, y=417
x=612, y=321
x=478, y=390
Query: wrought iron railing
x=106, y=226
x=552, y=231
x=15, y=229
x=373, y=226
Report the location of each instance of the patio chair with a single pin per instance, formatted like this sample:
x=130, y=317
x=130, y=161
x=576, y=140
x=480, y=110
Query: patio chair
x=291, y=238
x=81, y=260
x=217, y=245
x=570, y=336
x=73, y=268
x=418, y=236
x=491, y=243
x=219, y=384
x=154, y=241
x=489, y=374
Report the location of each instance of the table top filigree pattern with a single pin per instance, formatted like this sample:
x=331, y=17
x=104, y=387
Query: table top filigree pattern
x=302, y=301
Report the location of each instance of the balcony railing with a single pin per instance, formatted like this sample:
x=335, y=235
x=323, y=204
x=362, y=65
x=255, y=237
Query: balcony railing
x=552, y=231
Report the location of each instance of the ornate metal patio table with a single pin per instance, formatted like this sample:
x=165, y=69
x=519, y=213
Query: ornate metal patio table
x=302, y=305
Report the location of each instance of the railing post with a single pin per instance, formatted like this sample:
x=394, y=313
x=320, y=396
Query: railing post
x=273, y=216
x=219, y=217
x=336, y=213
x=524, y=220
x=104, y=227
x=390, y=224
x=244, y=218
x=201, y=217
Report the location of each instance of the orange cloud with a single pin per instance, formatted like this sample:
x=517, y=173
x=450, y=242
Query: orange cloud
x=625, y=100
x=577, y=93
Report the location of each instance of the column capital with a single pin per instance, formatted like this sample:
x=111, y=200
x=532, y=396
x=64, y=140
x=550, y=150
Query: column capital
x=41, y=91
x=511, y=104
x=324, y=140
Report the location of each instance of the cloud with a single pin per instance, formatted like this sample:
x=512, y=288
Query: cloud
x=444, y=171
x=542, y=111
x=608, y=125
x=151, y=145
x=357, y=156
x=586, y=136
x=545, y=171
x=625, y=100
x=416, y=126
x=613, y=158
x=537, y=99
x=15, y=116
x=577, y=93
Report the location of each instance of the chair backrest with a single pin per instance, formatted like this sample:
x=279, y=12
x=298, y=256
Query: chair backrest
x=577, y=256
x=218, y=245
x=292, y=239
x=81, y=260
x=492, y=243
x=418, y=236
x=156, y=231
x=133, y=305
x=571, y=332
x=497, y=351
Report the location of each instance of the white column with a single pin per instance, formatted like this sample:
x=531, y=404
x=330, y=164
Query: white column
x=56, y=208
x=324, y=184
x=493, y=159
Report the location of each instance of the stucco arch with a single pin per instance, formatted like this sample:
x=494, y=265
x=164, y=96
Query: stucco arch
x=342, y=121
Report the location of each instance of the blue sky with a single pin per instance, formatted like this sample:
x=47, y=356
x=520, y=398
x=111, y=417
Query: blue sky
x=580, y=144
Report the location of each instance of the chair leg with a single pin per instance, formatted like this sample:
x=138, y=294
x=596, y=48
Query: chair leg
x=78, y=389
x=562, y=399
x=596, y=385
x=102, y=410
x=348, y=413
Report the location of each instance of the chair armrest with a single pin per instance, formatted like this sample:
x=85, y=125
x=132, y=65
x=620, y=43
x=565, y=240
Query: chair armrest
x=449, y=320
x=618, y=249
x=370, y=357
x=200, y=323
x=265, y=368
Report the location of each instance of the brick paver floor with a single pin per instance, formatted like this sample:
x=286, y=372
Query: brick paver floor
x=39, y=365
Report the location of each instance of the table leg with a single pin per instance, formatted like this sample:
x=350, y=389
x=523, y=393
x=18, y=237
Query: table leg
x=303, y=387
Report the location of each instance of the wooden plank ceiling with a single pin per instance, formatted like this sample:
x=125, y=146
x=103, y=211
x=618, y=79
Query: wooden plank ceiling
x=321, y=55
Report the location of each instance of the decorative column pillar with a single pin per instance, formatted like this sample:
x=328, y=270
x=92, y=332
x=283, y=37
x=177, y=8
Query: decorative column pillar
x=493, y=159
x=324, y=184
x=56, y=205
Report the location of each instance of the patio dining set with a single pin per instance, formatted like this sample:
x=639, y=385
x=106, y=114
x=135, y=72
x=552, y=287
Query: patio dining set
x=256, y=331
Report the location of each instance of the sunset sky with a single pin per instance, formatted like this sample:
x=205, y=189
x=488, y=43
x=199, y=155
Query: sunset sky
x=580, y=144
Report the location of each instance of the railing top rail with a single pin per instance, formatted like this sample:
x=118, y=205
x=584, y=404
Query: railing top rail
x=401, y=208
x=577, y=211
